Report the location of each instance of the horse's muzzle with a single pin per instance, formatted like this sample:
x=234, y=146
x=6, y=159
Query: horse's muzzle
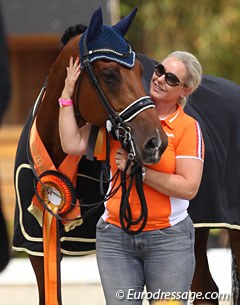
x=154, y=148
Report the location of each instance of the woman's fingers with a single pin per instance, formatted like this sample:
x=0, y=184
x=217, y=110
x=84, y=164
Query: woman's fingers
x=121, y=158
x=76, y=62
x=73, y=72
x=70, y=61
x=73, y=64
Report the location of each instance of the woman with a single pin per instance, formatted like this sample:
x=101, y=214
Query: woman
x=162, y=255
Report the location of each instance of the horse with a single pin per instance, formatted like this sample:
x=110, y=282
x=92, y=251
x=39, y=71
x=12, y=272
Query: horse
x=110, y=88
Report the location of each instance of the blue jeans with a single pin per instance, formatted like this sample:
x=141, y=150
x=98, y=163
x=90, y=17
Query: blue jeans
x=163, y=260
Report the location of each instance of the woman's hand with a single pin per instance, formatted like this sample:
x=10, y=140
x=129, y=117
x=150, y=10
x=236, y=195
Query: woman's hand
x=73, y=72
x=74, y=140
x=121, y=158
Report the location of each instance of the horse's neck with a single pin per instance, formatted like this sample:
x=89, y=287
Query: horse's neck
x=47, y=116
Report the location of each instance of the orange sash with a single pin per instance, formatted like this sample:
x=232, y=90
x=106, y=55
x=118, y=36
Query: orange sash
x=51, y=249
x=42, y=162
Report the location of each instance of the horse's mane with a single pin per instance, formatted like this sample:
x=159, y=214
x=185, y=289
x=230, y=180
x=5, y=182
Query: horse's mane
x=72, y=31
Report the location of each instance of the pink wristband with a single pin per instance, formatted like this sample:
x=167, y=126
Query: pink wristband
x=62, y=102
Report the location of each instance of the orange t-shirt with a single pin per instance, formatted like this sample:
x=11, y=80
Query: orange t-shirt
x=184, y=141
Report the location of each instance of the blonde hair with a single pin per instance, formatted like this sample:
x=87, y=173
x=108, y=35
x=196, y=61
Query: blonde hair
x=194, y=71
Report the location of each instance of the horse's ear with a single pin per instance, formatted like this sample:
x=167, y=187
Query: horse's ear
x=124, y=24
x=95, y=25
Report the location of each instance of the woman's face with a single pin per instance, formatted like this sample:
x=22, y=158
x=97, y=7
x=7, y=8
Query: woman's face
x=160, y=90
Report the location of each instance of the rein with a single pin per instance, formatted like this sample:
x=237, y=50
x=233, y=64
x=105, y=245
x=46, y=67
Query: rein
x=126, y=219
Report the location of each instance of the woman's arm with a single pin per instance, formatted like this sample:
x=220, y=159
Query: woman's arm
x=73, y=140
x=183, y=184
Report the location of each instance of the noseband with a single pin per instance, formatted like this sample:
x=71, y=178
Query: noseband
x=118, y=120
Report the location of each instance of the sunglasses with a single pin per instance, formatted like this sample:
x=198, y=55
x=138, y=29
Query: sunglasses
x=170, y=78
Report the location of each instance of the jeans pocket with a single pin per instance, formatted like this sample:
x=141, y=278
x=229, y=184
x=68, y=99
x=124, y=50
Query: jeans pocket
x=184, y=227
x=102, y=225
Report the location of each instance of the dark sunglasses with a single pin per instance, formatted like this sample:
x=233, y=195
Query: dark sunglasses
x=170, y=78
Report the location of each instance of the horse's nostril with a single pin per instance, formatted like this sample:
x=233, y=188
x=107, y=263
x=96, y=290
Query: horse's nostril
x=152, y=151
x=153, y=144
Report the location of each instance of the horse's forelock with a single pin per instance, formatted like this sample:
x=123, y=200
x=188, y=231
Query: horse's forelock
x=72, y=31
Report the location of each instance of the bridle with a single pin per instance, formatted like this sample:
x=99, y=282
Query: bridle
x=118, y=120
x=123, y=134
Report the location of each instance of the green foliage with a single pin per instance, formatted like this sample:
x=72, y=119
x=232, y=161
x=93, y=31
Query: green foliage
x=207, y=28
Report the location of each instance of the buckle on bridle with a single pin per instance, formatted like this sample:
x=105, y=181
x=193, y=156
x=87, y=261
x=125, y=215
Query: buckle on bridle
x=125, y=137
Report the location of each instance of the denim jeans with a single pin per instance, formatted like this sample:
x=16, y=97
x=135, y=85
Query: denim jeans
x=163, y=261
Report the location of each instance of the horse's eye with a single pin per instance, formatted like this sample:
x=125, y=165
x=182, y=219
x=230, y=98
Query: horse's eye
x=110, y=75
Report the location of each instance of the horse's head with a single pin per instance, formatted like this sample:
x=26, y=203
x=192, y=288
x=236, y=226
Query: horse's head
x=109, y=88
x=116, y=91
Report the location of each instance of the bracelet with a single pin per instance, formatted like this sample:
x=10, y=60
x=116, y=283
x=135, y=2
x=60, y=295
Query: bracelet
x=144, y=169
x=62, y=102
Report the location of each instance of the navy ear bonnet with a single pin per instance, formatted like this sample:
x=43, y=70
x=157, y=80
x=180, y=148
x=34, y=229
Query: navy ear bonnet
x=106, y=42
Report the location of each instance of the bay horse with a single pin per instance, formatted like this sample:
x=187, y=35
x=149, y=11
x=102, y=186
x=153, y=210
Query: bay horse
x=109, y=88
